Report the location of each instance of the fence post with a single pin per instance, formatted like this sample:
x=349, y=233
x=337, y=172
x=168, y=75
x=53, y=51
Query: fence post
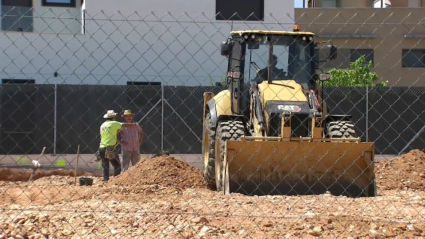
x=55, y=111
x=162, y=117
x=367, y=114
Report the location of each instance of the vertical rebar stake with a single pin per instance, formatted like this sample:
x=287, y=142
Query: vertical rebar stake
x=162, y=118
x=367, y=114
x=55, y=113
x=76, y=165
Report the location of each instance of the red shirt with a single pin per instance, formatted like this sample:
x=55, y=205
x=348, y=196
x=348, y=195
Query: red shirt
x=130, y=135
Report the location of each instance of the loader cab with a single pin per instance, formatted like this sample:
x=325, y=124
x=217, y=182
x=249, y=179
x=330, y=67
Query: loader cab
x=257, y=56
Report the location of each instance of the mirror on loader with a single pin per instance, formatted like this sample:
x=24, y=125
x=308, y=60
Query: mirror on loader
x=333, y=52
x=253, y=45
x=324, y=76
x=226, y=48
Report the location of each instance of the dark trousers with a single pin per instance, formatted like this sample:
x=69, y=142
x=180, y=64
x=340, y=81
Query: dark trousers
x=105, y=164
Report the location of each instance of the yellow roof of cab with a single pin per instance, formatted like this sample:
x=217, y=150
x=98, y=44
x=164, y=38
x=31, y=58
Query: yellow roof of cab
x=261, y=32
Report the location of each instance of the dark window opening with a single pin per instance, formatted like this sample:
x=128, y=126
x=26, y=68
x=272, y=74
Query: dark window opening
x=17, y=81
x=357, y=53
x=17, y=3
x=58, y=3
x=16, y=15
x=345, y=57
x=239, y=10
x=413, y=58
x=142, y=83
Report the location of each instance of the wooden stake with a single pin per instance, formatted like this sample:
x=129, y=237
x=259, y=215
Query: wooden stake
x=76, y=165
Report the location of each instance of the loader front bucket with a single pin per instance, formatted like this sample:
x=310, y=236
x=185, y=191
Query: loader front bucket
x=299, y=168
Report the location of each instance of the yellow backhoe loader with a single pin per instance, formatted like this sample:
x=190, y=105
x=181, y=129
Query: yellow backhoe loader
x=270, y=133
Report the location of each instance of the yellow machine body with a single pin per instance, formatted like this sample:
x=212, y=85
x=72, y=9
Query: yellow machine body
x=267, y=167
x=260, y=164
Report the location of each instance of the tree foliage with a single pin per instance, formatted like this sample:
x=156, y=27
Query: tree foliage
x=358, y=74
x=223, y=81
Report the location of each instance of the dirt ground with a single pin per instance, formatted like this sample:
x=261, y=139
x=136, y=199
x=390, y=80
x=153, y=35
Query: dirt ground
x=166, y=198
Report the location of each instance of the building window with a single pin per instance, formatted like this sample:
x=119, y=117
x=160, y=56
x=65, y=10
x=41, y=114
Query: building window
x=329, y=3
x=143, y=83
x=239, y=10
x=415, y=3
x=345, y=57
x=16, y=15
x=357, y=53
x=58, y=3
x=413, y=58
x=17, y=81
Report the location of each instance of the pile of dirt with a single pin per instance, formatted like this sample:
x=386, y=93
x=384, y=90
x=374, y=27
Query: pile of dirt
x=166, y=171
x=404, y=172
x=17, y=174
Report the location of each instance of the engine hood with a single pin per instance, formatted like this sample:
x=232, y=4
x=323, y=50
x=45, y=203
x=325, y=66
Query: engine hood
x=281, y=90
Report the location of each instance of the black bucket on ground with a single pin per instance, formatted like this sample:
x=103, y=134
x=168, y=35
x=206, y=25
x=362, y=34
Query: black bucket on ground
x=86, y=181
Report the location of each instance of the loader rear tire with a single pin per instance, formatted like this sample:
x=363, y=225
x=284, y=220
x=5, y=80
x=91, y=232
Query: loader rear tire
x=341, y=129
x=208, y=152
x=227, y=130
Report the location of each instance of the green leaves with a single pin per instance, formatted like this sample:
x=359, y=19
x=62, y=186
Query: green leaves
x=223, y=81
x=358, y=74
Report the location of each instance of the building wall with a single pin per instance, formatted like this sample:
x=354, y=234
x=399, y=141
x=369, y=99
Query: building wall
x=384, y=31
x=366, y=3
x=173, y=42
x=343, y=3
x=408, y=3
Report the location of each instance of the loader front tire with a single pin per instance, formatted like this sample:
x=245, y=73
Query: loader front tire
x=226, y=130
x=208, y=152
x=341, y=129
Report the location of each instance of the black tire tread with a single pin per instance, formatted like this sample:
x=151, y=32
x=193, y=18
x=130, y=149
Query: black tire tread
x=341, y=129
x=209, y=170
x=229, y=130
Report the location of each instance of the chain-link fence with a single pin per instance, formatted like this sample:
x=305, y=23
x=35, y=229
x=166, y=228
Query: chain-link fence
x=290, y=171
x=172, y=116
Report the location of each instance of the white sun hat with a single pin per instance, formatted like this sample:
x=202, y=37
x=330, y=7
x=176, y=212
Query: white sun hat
x=110, y=114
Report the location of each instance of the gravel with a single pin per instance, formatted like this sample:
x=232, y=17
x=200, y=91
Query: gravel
x=166, y=198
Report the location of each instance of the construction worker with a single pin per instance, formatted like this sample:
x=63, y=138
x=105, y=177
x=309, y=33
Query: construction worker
x=108, y=140
x=131, y=139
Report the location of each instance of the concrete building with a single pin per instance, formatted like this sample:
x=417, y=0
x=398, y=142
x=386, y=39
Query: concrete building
x=408, y=3
x=391, y=37
x=116, y=42
x=363, y=3
x=177, y=42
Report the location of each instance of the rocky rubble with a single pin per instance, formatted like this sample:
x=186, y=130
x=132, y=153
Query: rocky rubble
x=166, y=198
x=162, y=170
x=199, y=213
x=406, y=172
